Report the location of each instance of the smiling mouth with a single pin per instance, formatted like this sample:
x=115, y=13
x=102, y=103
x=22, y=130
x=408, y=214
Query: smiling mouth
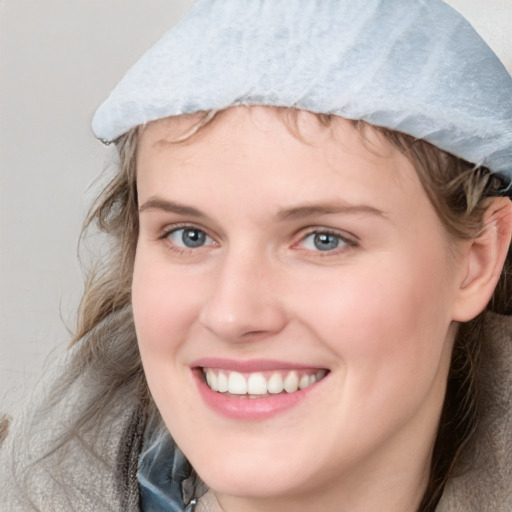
x=260, y=384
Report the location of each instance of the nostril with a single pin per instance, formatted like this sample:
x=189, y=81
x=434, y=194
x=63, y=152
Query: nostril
x=254, y=335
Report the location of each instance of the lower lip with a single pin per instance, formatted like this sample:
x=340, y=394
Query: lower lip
x=250, y=409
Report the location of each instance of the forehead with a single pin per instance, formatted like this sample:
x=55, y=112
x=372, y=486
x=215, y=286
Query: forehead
x=259, y=144
x=307, y=127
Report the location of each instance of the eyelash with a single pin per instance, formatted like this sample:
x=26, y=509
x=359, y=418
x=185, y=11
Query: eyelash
x=345, y=242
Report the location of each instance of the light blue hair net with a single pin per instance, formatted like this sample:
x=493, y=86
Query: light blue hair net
x=416, y=66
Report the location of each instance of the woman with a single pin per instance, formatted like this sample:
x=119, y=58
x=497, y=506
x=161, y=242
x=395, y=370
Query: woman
x=309, y=217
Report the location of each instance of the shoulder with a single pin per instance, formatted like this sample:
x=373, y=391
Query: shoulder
x=483, y=480
x=51, y=463
x=4, y=427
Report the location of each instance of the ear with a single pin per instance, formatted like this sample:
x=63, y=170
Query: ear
x=483, y=260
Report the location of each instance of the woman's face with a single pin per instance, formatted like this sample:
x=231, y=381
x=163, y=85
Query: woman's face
x=314, y=263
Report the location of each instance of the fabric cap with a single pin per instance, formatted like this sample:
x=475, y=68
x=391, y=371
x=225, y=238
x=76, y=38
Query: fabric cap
x=415, y=66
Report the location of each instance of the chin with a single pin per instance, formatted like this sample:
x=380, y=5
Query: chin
x=249, y=479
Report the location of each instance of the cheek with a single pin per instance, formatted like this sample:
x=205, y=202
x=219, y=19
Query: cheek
x=387, y=324
x=165, y=305
x=389, y=333
x=164, y=310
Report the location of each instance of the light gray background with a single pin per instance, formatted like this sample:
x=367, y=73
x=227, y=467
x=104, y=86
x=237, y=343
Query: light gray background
x=58, y=60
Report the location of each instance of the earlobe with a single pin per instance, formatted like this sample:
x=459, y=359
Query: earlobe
x=484, y=259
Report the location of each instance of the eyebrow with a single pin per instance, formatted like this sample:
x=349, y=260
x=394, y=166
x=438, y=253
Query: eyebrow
x=308, y=210
x=157, y=203
x=293, y=213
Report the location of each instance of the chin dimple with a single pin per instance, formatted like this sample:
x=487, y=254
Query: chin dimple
x=261, y=384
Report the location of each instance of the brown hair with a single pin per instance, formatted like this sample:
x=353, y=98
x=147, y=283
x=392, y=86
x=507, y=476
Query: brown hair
x=458, y=193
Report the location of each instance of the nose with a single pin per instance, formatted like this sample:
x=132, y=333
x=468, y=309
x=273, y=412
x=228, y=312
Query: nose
x=244, y=304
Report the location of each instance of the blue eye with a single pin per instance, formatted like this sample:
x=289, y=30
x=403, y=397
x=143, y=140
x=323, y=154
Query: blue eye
x=323, y=241
x=190, y=238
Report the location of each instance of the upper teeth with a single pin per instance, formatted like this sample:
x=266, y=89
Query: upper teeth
x=258, y=383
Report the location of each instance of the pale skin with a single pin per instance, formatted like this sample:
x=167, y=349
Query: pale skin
x=379, y=311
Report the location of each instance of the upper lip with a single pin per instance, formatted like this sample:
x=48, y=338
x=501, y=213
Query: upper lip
x=252, y=365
